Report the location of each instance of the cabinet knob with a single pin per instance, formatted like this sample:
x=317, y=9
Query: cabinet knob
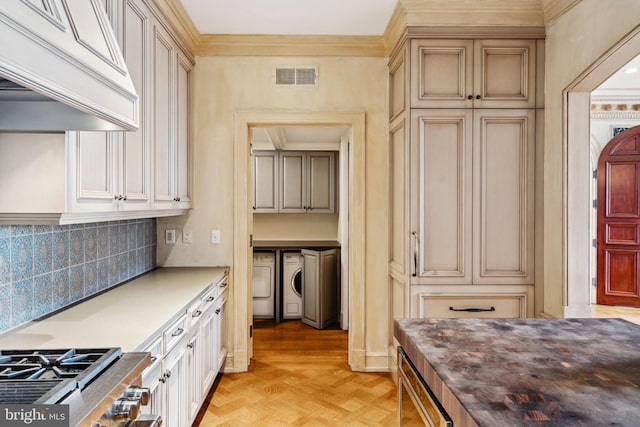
x=478, y=97
x=124, y=198
x=142, y=394
x=126, y=409
x=470, y=97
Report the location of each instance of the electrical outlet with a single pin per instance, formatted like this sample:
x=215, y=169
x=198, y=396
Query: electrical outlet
x=215, y=237
x=187, y=237
x=170, y=237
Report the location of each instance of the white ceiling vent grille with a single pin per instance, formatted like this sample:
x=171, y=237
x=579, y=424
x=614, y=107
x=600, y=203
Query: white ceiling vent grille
x=290, y=76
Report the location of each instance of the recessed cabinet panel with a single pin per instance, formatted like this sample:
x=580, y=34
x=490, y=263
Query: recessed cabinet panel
x=162, y=123
x=441, y=216
x=265, y=181
x=503, y=196
x=505, y=73
x=95, y=154
x=398, y=84
x=397, y=185
x=441, y=73
x=292, y=176
x=183, y=178
x=320, y=182
x=136, y=144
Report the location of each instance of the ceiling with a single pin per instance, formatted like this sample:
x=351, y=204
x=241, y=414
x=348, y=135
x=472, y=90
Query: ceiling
x=298, y=138
x=291, y=17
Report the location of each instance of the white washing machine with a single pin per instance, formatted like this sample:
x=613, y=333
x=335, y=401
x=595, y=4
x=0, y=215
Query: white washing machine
x=263, y=284
x=291, y=285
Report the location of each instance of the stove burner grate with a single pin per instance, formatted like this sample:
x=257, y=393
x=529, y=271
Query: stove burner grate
x=55, y=372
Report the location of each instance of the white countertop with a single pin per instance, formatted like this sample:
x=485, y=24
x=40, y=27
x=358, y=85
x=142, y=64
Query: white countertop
x=126, y=316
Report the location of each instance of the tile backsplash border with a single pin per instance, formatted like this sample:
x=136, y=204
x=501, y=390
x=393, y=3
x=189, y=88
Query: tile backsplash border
x=44, y=268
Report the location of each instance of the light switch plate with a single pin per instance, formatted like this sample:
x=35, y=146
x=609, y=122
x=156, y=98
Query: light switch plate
x=170, y=237
x=215, y=237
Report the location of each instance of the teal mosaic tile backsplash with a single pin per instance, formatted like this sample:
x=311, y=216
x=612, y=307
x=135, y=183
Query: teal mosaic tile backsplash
x=44, y=268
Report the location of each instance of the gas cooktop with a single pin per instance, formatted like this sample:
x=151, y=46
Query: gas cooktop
x=48, y=376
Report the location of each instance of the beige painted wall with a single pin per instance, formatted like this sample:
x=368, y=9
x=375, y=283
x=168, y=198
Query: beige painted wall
x=225, y=85
x=574, y=42
x=295, y=226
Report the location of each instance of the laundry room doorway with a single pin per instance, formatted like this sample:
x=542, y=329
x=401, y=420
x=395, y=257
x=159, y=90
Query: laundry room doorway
x=293, y=133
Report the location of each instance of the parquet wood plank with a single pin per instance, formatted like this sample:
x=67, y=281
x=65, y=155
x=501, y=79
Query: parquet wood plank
x=299, y=377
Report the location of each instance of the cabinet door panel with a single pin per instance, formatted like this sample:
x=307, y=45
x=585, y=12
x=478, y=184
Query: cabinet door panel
x=320, y=189
x=94, y=162
x=398, y=170
x=265, y=181
x=183, y=178
x=441, y=73
x=503, y=196
x=505, y=73
x=441, y=197
x=292, y=172
x=135, y=155
x=162, y=95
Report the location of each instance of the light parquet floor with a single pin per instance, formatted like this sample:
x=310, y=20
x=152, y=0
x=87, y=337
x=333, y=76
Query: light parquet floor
x=299, y=376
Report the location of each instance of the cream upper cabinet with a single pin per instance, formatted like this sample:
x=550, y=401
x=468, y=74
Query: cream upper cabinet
x=171, y=129
x=320, y=182
x=294, y=182
x=112, y=169
x=293, y=170
x=473, y=73
x=265, y=181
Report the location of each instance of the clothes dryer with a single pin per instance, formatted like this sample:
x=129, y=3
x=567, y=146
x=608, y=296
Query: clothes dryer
x=263, y=285
x=291, y=285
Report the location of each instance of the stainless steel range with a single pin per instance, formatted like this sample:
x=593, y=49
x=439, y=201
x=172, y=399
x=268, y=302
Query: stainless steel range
x=99, y=385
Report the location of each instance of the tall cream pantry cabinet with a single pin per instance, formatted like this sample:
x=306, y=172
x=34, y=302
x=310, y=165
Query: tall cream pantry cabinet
x=463, y=114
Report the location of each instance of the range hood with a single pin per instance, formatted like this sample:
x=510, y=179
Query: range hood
x=61, y=68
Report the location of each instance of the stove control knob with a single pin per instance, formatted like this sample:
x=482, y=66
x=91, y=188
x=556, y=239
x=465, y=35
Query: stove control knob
x=141, y=394
x=125, y=409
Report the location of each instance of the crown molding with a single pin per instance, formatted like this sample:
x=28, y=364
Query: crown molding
x=177, y=18
x=554, y=9
x=278, y=45
x=526, y=13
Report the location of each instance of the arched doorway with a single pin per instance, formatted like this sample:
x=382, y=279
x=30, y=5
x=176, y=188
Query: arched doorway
x=618, y=223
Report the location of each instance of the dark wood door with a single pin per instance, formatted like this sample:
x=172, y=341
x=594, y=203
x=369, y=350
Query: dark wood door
x=618, y=245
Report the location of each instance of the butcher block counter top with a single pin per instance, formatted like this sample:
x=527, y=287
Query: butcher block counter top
x=529, y=372
x=124, y=316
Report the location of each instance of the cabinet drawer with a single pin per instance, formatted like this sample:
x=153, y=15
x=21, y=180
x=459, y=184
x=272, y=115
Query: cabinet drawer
x=473, y=305
x=174, y=332
x=194, y=313
x=156, y=353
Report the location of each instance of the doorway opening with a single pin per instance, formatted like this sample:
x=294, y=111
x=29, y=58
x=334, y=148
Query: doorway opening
x=580, y=186
x=351, y=227
x=300, y=211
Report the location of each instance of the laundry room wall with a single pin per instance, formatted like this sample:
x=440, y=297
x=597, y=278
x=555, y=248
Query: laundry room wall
x=295, y=226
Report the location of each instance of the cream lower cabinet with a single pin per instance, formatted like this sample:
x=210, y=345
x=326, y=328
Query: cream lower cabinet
x=186, y=358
